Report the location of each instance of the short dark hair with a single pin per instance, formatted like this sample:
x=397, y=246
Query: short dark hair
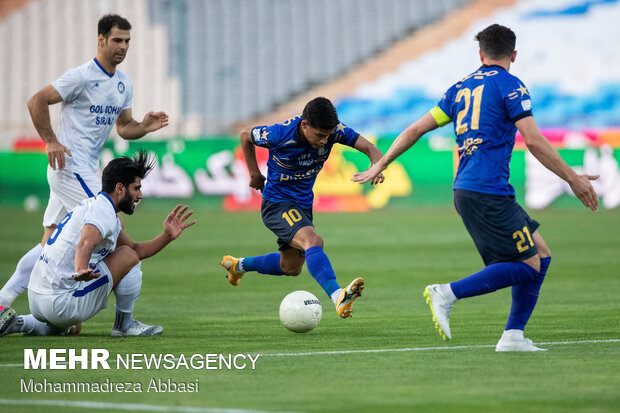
x=125, y=170
x=497, y=41
x=320, y=113
x=108, y=21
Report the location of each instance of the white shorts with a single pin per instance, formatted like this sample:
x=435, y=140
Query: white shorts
x=68, y=307
x=67, y=189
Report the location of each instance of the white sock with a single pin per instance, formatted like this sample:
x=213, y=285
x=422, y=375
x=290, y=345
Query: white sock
x=127, y=292
x=28, y=325
x=446, y=290
x=18, y=283
x=336, y=295
x=239, y=267
x=513, y=334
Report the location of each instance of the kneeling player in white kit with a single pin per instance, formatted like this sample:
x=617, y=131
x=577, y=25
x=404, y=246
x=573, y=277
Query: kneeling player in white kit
x=95, y=96
x=89, y=255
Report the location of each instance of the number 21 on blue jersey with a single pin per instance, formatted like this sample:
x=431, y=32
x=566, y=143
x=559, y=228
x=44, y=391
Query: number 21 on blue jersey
x=473, y=101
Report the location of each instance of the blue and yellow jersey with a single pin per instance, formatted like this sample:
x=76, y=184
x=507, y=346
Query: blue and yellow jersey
x=484, y=107
x=293, y=163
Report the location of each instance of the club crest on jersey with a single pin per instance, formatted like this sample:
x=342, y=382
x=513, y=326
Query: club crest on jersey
x=322, y=150
x=121, y=87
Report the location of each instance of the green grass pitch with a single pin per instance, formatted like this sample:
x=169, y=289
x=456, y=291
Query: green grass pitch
x=398, y=252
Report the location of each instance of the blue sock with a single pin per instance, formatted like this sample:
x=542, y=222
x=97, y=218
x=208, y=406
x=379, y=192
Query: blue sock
x=524, y=298
x=321, y=270
x=544, y=265
x=493, y=277
x=264, y=264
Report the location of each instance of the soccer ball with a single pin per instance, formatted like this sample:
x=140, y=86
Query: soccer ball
x=300, y=311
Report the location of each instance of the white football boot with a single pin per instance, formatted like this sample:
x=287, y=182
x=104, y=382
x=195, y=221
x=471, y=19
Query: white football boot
x=440, y=308
x=513, y=340
x=138, y=329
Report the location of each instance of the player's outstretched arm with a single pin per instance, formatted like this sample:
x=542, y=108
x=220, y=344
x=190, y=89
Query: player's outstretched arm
x=374, y=154
x=38, y=106
x=403, y=142
x=546, y=153
x=128, y=128
x=174, y=224
x=257, y=179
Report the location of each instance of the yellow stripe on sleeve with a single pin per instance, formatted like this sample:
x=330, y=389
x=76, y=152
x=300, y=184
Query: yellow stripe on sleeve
x=440, y=117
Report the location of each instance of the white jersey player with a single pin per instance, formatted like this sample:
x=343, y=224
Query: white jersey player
x=88, y=255
x=95, y=96
x=92, y=100
x=52, y=274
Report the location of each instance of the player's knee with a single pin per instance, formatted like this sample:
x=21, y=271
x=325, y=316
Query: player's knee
x=544, y=251
x=315, y=241
x=129, y=256
x=291, y=270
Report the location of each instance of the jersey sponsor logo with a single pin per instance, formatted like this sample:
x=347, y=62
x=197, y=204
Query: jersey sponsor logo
x=470, y=145
x=305, y=160
x=107, y=110
x=301, y=176
x=121, y=87
x=478, y=75
x=526, y=104
x=94, y=85
x=114, y=111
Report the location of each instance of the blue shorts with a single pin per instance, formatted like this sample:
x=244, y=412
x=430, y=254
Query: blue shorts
x=500, y=228
x=284, y=219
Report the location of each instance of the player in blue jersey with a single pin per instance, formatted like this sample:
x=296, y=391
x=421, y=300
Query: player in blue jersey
x=298, y=148
x=487, y=108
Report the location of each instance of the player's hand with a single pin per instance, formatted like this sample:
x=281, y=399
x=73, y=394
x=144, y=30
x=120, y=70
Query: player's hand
x=175, y=221
x=373, y=174
x=154, y=120
x=583, y=189
x=85, y=275
x=377, y=179
x=257, y=182
x=56, y=154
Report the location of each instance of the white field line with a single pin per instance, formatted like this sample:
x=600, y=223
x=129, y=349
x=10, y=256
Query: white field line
x=393, y=350
x=387, y=350
x=122, y=406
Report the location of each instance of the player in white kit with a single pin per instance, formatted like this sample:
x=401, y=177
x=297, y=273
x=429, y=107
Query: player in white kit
x=89, y=255
x=95, y=96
